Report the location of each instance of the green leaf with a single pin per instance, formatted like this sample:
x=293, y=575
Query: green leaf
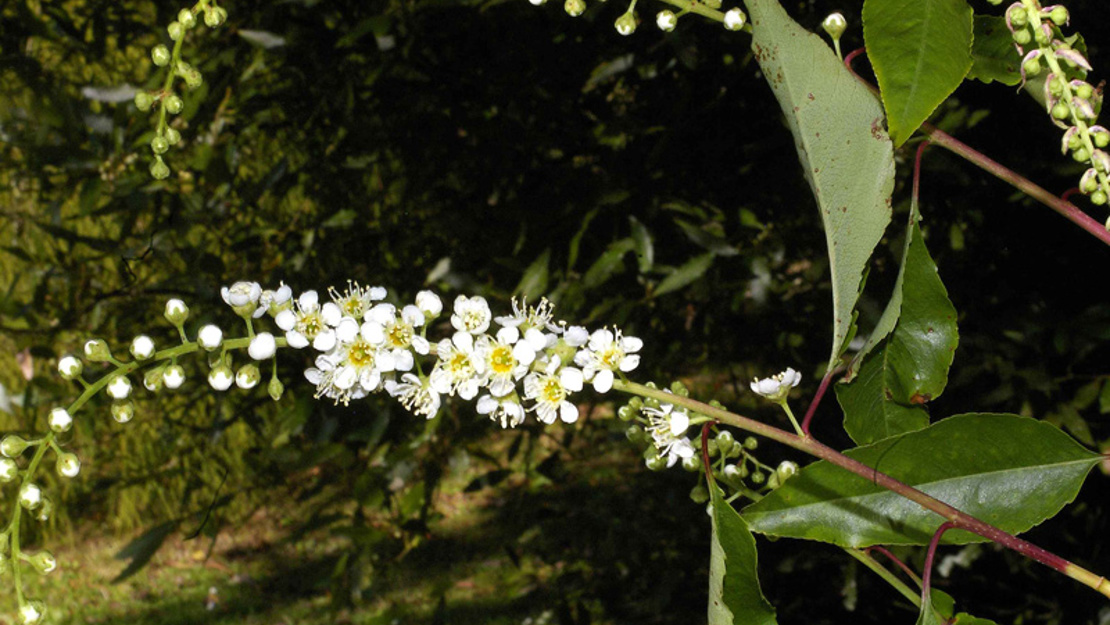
x=1012, y=472
x=688, y=272
x=734, y=594
x=645, y=251
x=921, y=51
x=533, y=283
x=845, y=153
x=911, y=367
x=608, y=263
x=1104, y=398
x=934, y=607
x=143, y=548
x=992, y=52
x=963, y=618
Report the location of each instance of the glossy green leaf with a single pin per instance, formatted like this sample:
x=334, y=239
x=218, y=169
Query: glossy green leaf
x=993, y=54
x=936, y=608
x=608, y=263
x=645, y=250
x=911, y=367
x=921, y=51
x=533, y=283
x=845, y=153
x=685, y=274
x=963, y=618
x=1012, y=472
x=734, y=594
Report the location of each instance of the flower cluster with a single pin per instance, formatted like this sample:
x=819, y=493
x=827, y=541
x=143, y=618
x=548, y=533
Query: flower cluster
x=666, y=20
x=1072, y=102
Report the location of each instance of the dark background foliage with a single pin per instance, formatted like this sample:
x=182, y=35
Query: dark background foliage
x=497, y=148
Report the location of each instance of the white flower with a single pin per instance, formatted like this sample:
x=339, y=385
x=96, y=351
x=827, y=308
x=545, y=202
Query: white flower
x=142, y=347
x=176, y=311
x=310, y=323
x=173, y=376
x=395, y=333
x=59, y=420
x=429, y=303
x=734, y=19
x=606, y=353
x=416, y=395
x=538, y=316
x=350, y=371
x=357, y=299
x=457, y=368
x=503, y=359
x=666, y=20
x=472, y=314
x=119, y=387
x=210, y=337
x=667, y=427
x=262, y=346
x=70, y=367
x=506, y=410
x=777, y=387
x=550, y=390
x=274, y=301
x=243, y=298
x=221, y=378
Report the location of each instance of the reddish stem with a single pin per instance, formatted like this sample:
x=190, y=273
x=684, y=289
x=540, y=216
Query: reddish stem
x=816, y=401
x=893, y=558
x=917, y=169
x=926, y=577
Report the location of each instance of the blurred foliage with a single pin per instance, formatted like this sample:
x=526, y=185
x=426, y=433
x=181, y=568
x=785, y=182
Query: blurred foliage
x=493, y=148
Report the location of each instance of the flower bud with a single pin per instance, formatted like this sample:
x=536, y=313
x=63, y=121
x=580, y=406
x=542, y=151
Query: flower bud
x=173, y=136
x=1043, y=35
x=773, y=481
x=143, y=101
x=45, y=510
x=656, y=463
x=248, y=376
x=1081, y=155
x=174, y=104
x=30, y=495
x=152, y=379
x=13, y=445
x=1098, y=198
x=193, y=78
x=1058, y=14
x=160, y=54
x=221, y=377
x=574, y=8
x=1016, y=15
x=142, y=347
x=1022, y=37
x=1073, y=58
x=44, y=562
x=214, y=16
x=32, y=612
x=262, y=346
x=725, y=441
x=758, y=477
x=176, y=31
x=159, y=145
x=699, y=494
x=626, y=23
x=243, y=297
x=123, y=411
x=1100, y=136
x=429, y=303
x=1101, y=161
x=159, y=170
x=666, y=20
x=275, y=388
x=9, y=470
x=187, y=19
x=176, y=312
x=1060, y=110
x=1089, y=182
x=731, y=472
x=97, y=350
x=691, y=464
x=173, y=376
x=835, y=25
x=68, y=464
x=70, y=367
x=786, y=469
x=59, y=420
x=1031, y=66
x=210, y=337
x=735, y=19
x=751, y=443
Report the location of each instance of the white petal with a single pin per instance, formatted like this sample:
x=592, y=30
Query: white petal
x=464, y=341
x=486, y=404
x=347, y=330
x=683, y=449
x=403, y=360
x=420, y=345
x=631, y=344
x=601, y=339
x=508, y=335
x=500, y=387
x=376, y=293
x=630, y=362
x=576, y=336
x=331, y=314
x=603, y=381
x=381, y=314
x=370, y=379
x=373, y=332
x=296, y=340
x=324, y=341
x=680, y=422
x=314, y=376
x=286, y=319
x=345, y=378
x=413, y=315
x=308, y=301
x=568, y=412
x=572, y=379
x=535, y=339
x=524, y=353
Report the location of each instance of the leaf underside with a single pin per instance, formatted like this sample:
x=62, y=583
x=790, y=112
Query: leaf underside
x=734, y=594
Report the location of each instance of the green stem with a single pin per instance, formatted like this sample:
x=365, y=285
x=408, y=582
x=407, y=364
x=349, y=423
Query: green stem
x=810, y=446
x=885, y=573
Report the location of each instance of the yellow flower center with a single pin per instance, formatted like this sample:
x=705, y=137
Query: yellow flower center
x=361, y=354
x=501, y=360
x=399, y=335
x=311, y=325
x=553, y=391
x=611, y=357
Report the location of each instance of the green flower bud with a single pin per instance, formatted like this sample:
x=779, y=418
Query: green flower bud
x=159, y=170
x=176, y=31
x=193, y=78
x=1017, y=15
x=1043, y=34
x=574, y=8
x=656, y=463
x=1081, y=155
x=143, y=101
x=735, y=19
x=1098, y=198
x=174, y=104
x=214, y=16
x=68, y=464
x=275, y=388
x=773, y=481
x=32, y=612
x=731, y=472
x=626, y=24
x=13, y=445
x=699, y=494
x=751, y=443
x=70, y=367
x=678, y=388
x=248, y=376
x=97, y=350
x=59, y=420
x=1058, y=15
x=30, y=496
x=173, y=136
x=1060, y=110
x=713, y=4
x=725, y=441
x=712, y=448
x=691, y=464
x=835, y=25
x=173, y=376
x=187, y=19
x=758, y=477
x=44, y=562
x=160, y=54
x=786, y=469
x=1032, y=66
x=1085, y=91
x=1022, y=37
x=152, y=379
x=636, y=403
x=176, y=312
x=142, y=347
x=9, y=470
x=45, y=510
x=666, y=20
x=626, y=413
x=159, y=144
x=634, y=433
x=124, y=410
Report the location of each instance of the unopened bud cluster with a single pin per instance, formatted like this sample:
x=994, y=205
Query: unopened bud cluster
x=167, y=99
x=1072, y=103
x=666, y=20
